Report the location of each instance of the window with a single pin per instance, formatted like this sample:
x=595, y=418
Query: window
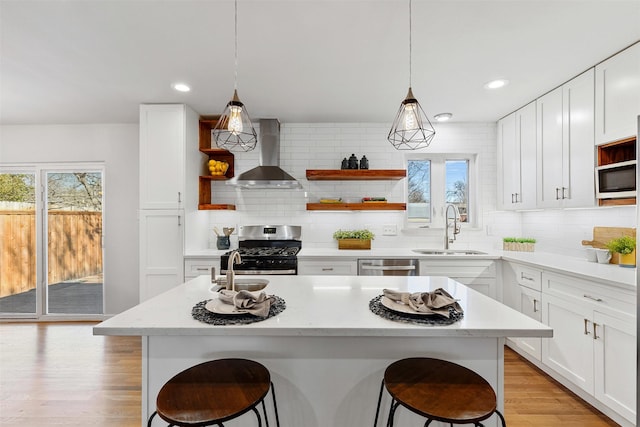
x=435, y=181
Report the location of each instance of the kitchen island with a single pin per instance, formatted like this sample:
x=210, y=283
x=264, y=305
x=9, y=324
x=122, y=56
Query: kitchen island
x=326, y=351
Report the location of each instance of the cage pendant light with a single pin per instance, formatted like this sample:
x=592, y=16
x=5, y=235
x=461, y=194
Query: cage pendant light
x=234, y=131
x=411, y=129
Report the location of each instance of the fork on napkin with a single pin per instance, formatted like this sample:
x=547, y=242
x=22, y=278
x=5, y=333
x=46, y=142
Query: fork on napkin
x=436, y=302
x=257, y=304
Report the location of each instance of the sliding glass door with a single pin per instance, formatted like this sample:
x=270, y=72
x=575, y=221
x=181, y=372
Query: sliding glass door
x=51, y=258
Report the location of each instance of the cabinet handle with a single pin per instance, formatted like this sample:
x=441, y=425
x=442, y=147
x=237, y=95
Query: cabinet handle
x=535, y=306
x=202, y=269
x=564, y=189
x=557, y=196
x=528, y=279
x=179, y=197
x=512, y=198
x=593, y=298
x=595, y=331
x=179, y=221
x=586, y=327
x=327, y=268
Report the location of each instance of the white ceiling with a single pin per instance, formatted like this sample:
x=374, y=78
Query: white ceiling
x=95, y=61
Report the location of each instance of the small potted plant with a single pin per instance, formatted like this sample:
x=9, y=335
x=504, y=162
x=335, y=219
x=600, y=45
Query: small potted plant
x=524, y=244
x=354, y=239
x=625, y=246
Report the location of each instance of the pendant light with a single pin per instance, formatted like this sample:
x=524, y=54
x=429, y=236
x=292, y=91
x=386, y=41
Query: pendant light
x=234, y=131
x=411, y=130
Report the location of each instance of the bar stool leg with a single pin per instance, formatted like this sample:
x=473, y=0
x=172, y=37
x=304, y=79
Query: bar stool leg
x=255, y=411
x=375, y=422
x=275, y=405
x=392, y=412
x=502, y=420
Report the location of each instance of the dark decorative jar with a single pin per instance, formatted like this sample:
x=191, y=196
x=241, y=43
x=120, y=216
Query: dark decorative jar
x=345, y=164
x=353, y=162
x=223, y=242
x=364, y=163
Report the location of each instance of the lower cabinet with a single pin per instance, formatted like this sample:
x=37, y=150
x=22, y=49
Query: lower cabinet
x=161, y=246
x=328, y=267
x=531, y=305
x=479, y=275
x=197, y=266
x=594, y=339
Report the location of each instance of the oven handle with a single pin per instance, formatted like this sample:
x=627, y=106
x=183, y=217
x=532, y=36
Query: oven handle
x=253, y=272
x=388, y=267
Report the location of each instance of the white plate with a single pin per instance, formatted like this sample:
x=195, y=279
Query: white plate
x=218, y=307
x=402, y=308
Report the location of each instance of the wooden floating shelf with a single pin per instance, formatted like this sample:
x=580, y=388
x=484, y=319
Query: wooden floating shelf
x=355, y=174
x=219, y=207
x=205, y=194
x=356, y=206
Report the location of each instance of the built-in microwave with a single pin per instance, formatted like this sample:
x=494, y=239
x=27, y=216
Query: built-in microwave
x=616, y=180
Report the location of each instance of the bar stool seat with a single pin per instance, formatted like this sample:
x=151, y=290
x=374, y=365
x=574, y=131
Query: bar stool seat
x=214, y=392
x=438, y=390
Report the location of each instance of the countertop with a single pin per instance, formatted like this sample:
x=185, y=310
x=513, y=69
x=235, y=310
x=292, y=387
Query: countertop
x=324, y=306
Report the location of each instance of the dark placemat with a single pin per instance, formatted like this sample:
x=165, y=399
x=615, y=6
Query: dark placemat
x=417, y=319
x=200, y=313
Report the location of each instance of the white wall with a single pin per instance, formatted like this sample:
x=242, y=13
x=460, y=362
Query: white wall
x=117, y=146
x=323, y=146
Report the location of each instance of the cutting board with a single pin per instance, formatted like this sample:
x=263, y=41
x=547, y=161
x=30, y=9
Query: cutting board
x=602, y=235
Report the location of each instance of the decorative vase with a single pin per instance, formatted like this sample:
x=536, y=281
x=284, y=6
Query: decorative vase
x=223, y=242
x=627, y=260
x=354, y=244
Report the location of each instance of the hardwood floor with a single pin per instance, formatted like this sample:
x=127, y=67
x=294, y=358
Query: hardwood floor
x=60, y=374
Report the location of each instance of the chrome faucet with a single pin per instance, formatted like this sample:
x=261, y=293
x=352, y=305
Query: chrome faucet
x=456, y=225
x=233, y=258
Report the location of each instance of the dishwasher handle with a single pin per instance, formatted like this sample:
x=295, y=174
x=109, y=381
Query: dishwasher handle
x=388, y=267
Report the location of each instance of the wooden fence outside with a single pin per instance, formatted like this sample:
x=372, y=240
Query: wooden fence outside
x=75, y=248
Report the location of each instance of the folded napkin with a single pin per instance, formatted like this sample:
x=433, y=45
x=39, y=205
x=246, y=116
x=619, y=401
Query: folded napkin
x=253, y=303
x=436, y=302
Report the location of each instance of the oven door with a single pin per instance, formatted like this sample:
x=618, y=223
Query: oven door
x=617, y=180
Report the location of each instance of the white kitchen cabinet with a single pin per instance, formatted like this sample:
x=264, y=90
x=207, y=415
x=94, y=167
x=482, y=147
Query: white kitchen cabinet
x=328, y=267
x=594, y=339
x=617, y=96
x=531, y=305
x=478, y=274
x=164, y=130
x=197, y=266
x=565, y=152
x=517, y=154
x=161, y=247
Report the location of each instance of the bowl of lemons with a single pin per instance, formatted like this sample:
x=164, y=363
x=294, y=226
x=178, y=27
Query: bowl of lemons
x=217, y=167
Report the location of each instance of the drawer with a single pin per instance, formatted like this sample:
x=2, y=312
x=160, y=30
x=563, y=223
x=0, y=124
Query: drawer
x=458, y=268
x=528, y=277
x=597, y=296
x=328, y=268
x=197, y=267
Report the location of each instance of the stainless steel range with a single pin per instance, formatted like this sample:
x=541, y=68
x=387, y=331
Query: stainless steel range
x=266, y=249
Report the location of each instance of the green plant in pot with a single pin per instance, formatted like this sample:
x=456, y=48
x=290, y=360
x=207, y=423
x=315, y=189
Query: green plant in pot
x=626, y=247
x=354, y=239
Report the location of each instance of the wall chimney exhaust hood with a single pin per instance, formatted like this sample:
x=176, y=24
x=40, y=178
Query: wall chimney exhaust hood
x=268, y=174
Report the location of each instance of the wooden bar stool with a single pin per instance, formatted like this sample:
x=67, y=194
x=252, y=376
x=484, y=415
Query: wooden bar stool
x=438, y=390
x=214, y=392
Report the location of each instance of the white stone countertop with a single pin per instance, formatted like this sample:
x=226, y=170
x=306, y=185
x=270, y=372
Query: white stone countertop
x=335, y=306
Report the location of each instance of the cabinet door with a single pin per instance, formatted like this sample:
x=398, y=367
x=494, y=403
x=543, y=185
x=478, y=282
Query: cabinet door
x=162, y=156
x=570, y=351
x=618, y=96
x=578, y=136
x=530, y=305
x=549, y=149
x=161, y=247
x=615, y=363
x=509, y=158
x=526, y=135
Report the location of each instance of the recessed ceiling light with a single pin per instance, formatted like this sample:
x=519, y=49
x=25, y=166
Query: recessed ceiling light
x=442, y=117
x=181, y=87
x=496, y=84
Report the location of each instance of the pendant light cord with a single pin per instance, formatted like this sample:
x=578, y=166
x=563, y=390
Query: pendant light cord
x=409, y=43
x=235, y=75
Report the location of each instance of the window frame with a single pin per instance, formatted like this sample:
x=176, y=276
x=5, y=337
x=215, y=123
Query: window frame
x=438, y=189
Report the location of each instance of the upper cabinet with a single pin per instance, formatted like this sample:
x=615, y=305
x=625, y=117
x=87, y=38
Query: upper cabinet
x=517, y=159
x=565, y=139
x=163, y=144
x=618, y=96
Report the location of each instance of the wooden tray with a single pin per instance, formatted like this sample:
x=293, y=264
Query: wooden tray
x=602, y=235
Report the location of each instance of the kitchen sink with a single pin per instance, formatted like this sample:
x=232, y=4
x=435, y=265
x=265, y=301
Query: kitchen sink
x=448, y=252
x=251, y=285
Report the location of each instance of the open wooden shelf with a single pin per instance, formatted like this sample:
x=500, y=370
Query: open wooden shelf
x=355, y=174
x=204, y=183
x=356, y=206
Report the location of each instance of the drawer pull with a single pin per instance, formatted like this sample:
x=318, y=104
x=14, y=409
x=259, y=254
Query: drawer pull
x=327, y=268
x=529, y=279
x=202, y=268
x=586, y=327
x=593, y=298
x=535, y=306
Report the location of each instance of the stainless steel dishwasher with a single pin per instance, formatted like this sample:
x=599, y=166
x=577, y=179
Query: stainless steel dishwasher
x=388, y=267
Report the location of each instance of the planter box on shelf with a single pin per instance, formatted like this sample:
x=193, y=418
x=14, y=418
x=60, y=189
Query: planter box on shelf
x=514, y=244
x=354, y=244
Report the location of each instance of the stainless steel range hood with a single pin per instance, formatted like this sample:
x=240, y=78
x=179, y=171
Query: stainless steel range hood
x=268, y=174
